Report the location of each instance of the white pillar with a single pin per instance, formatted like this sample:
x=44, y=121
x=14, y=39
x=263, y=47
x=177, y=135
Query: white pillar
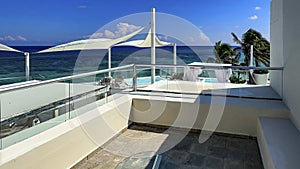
x=109, y=61
x=251, y=56
x=153, y=44
x=27, y=62
x=174, y=56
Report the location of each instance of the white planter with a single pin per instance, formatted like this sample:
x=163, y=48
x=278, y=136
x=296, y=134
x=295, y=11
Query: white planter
x=261, y=79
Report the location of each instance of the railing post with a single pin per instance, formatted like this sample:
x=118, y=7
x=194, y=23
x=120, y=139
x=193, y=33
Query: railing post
x=282, y=83
x=27, y=66
x=134, y=78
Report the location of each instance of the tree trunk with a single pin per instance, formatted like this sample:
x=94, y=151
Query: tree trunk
x=251, y=78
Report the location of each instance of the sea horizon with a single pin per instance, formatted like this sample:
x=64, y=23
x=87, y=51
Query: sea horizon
x=45, y=66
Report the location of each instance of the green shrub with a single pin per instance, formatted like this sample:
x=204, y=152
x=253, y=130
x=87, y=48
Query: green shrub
x=261, y=71
x=236, y=80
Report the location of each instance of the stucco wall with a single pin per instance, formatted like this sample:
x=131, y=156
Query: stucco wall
x=285, y=36
x=276, y=37
x=237, y=117
x=66, y=144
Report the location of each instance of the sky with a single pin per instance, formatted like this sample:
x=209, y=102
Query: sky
x=53, y=22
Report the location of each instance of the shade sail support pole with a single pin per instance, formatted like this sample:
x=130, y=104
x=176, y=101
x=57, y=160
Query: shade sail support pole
x=251, y=56
x=109, y=61
x=153, y=44
x=175, y=56
x=27, y=66
x=251, y=60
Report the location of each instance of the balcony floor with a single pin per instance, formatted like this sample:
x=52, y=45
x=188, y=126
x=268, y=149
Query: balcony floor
x=220, y=151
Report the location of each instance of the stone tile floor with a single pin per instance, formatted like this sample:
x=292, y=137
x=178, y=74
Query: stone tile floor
x=178, y=149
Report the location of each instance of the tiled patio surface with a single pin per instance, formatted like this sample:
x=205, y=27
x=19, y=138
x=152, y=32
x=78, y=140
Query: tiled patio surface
x=177, y=148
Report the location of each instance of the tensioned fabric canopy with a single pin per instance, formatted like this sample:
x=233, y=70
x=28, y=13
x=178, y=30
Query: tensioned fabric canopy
x=6, y=48
x=146, y=43
x=90, y=44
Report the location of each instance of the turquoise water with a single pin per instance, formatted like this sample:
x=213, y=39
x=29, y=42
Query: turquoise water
x=144, y=80
x=44, y=66
x=211, y=81
x=147, y=80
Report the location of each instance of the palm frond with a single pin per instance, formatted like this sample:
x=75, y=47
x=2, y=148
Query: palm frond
x=236, y=39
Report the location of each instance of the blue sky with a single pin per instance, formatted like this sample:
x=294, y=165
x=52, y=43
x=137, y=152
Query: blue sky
x=52, y=22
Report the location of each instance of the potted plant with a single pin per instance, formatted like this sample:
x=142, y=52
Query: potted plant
x=261, y=76
x=236, y=80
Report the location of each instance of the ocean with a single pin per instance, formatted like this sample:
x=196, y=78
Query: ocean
x=44, y=66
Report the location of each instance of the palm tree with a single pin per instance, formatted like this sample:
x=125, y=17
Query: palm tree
x=261, y=47
x=224, y=53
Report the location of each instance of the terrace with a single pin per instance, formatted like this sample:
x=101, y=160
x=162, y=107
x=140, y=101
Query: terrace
x=99, y=130
x=138, y=145
x=123, y=124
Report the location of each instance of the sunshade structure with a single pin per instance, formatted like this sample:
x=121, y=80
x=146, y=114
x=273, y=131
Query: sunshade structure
x=9, y=49
x=146, y=43
x=6, y=48
x=151, y=41
x=90, y=44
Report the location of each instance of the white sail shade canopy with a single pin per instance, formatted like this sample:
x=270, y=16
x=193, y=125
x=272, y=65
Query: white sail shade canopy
x=6, y=48
x=90, y=44
x=146, y=43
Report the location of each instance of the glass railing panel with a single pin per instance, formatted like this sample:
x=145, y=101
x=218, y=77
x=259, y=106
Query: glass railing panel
x=121, y=80
x=90, y=92
x=10, y=80
x=87, y=93
x=27, y=112
x=237, y=81
x=143, y=77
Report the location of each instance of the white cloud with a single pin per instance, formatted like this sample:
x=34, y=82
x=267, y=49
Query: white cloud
x=122, y=30
x=203, y=37
x=163, y=37
x=11, y=38
x=21, y=38
x=254, y=17
x=257, y=8
x=95, y=35
x=125, y=28
x=8, y=38
x=191, y=39
x=82, y=7
x=109, y=34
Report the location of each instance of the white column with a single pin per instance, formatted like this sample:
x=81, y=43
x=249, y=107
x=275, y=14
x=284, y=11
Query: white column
x=27, y=62
x=251, y=59
x=174, y=56
x=153, y=44
x=251, y=56
x=109, y=61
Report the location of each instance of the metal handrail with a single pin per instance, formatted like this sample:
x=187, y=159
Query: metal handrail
x=134, y=66
x=211, y=67
x=26, y=86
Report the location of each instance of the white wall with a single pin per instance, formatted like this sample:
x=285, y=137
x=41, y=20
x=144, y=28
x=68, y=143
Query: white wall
x=194, y=114
x=66, y=144
x=276, y=37
x=285, y=39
